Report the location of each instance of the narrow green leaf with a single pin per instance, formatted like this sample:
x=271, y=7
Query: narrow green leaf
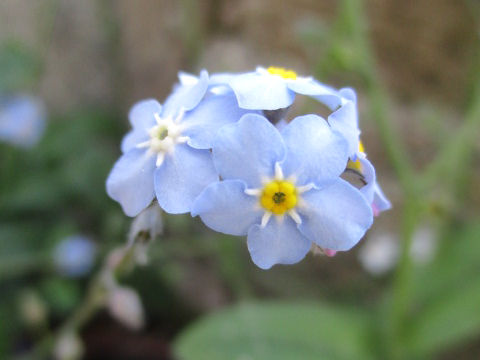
x=450, y=321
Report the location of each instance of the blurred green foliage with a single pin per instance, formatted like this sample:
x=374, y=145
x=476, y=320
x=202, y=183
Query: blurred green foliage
x=51, y=191
x=19, y=66
x=58, y=189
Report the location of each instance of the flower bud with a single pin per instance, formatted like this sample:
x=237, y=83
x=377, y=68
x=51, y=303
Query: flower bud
x=145, y=228
x=32, y=309
x=125, y=306
x=68, y=347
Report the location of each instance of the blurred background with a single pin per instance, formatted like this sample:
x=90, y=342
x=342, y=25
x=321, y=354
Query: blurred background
x=72, y=69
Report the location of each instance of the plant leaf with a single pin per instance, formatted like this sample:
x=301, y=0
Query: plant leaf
x=278, y=331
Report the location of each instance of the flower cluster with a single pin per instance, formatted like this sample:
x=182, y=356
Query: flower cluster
x=221, y=147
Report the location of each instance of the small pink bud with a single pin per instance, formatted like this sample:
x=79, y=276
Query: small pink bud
x=375, y=209
x=330, y=253
x=68, y=347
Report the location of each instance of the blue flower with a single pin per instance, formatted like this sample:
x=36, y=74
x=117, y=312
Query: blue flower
x=283, y=190
x=345, y=121
x=166, y=155
x=22, y=120
x=275, y=88
x=74, y=256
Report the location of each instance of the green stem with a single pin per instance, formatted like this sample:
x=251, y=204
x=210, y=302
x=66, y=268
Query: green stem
x=401, y=288
x=392, y=144
x=455, y=156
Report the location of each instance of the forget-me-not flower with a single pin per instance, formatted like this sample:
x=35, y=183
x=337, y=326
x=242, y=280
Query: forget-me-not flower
x=166, y=155
x=283, y=190
x=345, y=121
x=22, y=120
x=275, y=88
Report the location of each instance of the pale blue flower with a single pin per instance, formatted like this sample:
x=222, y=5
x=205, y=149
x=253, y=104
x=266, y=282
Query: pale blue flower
x=275, y=88
x=166, y=155
x=283, y=190
x=22, y=120
x=345, y=121
x=74, y=256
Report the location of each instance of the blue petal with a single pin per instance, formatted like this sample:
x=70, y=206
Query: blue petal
x=133, y=138
x=380, y=201
x=131, y=181
x=182, y=177
x=368, y=172
x=223, y=206
x=186, y=96
x=349, y=94
x=221, y=78
x=344, y=120
x=261, y=92
x=325, y=94
x=314, y=152
x=141, y=114
x=372, y=190
x=187, y=78
x=281, y=124
x=247, y=150
x=277, y=243
x=335, y=217
x=22, y=120
x=202, y=124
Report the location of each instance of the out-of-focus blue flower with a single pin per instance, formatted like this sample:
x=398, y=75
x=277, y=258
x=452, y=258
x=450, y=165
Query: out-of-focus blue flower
x=74, y=256
x=283, y=190
x=167, y=153
x=275, y=88
x=22, y=120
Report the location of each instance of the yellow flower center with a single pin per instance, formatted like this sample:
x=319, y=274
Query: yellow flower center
x=286, y=74
x=278, y=197
x=357, y=165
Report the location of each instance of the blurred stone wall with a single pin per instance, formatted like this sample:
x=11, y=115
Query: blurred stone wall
x=104, y=51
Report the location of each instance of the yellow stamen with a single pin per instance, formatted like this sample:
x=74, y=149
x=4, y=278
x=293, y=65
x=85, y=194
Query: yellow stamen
x=278, y=196
x=357, y=165
x=361, y=148
x=284, y=73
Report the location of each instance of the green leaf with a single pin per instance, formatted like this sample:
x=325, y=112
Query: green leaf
x=450, y=321
x=278, y=331
x=456, y=263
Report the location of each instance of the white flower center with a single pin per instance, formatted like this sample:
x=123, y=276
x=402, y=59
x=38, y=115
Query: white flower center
x=164, y=136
